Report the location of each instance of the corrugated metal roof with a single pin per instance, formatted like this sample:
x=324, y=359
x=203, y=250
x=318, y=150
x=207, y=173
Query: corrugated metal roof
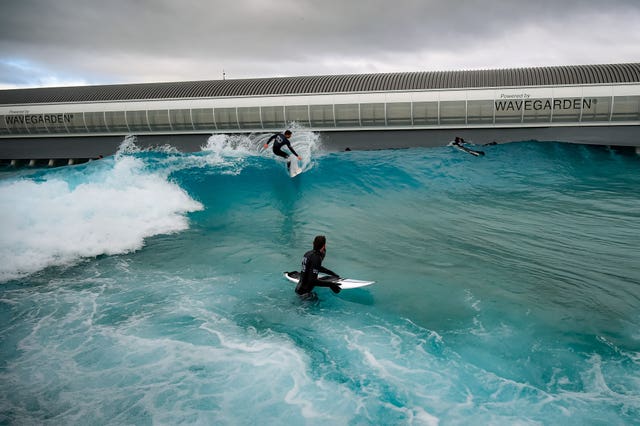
x=540, y=76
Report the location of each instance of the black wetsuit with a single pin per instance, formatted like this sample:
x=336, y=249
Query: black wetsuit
x=280, y=140
x=311, y=266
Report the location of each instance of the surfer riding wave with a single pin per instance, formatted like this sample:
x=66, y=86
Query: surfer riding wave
x=280, y=140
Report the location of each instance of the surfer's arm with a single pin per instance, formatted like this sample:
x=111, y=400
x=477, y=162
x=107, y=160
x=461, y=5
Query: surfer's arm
x=293, y=150
x=266, y=144
x=328, y=271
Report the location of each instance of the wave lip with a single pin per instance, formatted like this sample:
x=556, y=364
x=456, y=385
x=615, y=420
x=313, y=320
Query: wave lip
x=111, y=209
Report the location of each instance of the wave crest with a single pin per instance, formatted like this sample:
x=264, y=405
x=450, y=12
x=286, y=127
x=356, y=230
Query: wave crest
x=105, y=207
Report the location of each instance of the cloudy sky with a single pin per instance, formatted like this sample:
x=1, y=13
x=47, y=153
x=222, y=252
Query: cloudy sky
x=78, y=42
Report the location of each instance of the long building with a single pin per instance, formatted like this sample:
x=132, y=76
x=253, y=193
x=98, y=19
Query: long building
x=588, y=104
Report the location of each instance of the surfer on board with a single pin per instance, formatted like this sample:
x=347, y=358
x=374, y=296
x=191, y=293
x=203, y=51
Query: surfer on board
x=459, y=141
x=280, y=140
x=311, y=266
x=459, y=144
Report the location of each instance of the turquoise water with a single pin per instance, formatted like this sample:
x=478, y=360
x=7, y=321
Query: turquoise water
x=147, y=288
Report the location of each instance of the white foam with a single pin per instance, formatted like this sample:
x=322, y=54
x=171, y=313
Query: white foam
x=232, y=145
x=114, y=206
x=307, y=145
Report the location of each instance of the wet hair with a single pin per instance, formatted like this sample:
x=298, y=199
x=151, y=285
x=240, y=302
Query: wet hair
x=319, y=242
x=287, y=132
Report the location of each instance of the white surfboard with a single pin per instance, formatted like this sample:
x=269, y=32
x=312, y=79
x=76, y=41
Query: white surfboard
x=467, y=150
x=294, y=168
x=345, y=283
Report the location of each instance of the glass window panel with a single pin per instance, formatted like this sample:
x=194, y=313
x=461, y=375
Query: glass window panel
x=372, y=114
x=297, y=113
x=203, y=118
x=566, y=110
x=321, y=115
x=180, y=119
x=50, y=123
x=3, y=125
x=75, y=124
x=137, y=121
x=95, y=121
x=59, y=129
x=535, y=110
x=272, y=117
x=347, y=115
x=159, y=119
x=425, y=113
x=480, y=112
x=399, y=113
x=510, y=110
x=35, y=123
x=17, y=130
x=626, y=108
x=249, y=117
x=116, y=121
x=56, y=123
x=453, y=112
x=596, y=109
x=15, y=124
x=226, y=118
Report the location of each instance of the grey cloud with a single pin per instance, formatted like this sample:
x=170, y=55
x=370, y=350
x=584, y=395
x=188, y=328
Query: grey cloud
x=292, y=37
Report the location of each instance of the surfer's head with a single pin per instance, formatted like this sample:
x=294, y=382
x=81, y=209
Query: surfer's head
x=318, y=244
x=287, y=133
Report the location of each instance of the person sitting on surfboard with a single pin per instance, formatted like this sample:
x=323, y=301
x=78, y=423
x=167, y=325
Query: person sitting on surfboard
x=311, y=266
x=280, y=140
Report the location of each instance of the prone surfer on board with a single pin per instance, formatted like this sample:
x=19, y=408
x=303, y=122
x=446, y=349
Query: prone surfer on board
x=459, y=141
x=311, y=266
x=282, y=139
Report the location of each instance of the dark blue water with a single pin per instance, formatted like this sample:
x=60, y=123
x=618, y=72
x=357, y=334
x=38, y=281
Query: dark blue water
x=147, y=288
